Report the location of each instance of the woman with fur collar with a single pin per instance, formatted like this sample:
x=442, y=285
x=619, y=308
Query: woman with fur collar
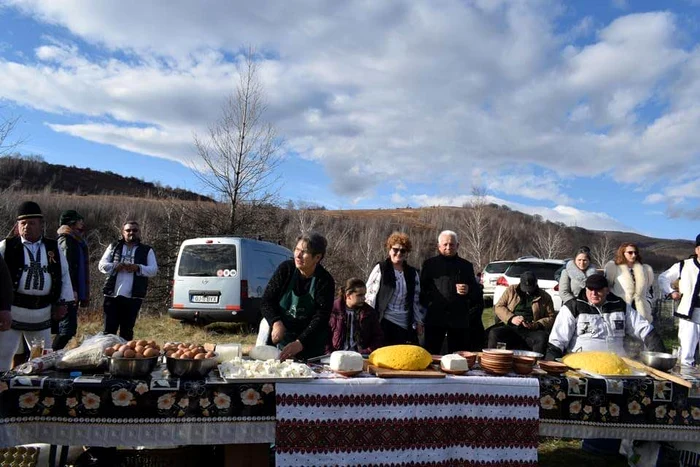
x=630, y=279
x=573, y=277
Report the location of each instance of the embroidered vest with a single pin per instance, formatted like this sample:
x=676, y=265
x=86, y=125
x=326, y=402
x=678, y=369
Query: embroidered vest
x=140, y=286
x=14, y=257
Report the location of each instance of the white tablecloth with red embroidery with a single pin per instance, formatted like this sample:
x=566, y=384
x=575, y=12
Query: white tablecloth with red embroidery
x=456, y=421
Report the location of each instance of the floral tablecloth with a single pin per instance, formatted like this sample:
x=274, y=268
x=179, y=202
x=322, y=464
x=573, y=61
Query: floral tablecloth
x=639, y=408
x=57, y=409
x=456, y=421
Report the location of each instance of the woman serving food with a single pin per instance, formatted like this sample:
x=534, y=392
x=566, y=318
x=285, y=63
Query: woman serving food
x=298, y=300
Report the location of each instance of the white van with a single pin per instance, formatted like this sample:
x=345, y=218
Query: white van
x=223, y=279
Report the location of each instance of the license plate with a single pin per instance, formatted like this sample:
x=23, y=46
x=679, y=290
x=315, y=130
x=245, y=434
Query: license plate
x=204, y=299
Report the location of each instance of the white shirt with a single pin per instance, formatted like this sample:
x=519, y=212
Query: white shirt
x=125, y=280
x=26, y=315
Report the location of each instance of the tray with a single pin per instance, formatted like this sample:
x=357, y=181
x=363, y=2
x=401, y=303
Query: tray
x=347, y=374
x=636, y=374
x=263, y=379
x=453, y=372
x=389, y=373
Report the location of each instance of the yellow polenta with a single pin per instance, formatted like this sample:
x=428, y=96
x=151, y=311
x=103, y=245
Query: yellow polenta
x=602, y=363
x=401, y=357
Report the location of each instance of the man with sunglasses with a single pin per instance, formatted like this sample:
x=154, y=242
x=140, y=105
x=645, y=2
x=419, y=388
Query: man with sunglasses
x=452, y=298
x=599, y=320
x=128, y=264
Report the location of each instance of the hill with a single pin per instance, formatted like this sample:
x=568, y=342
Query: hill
x=33, y=174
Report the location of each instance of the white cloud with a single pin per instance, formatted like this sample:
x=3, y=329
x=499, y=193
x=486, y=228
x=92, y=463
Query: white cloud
x=384, y=91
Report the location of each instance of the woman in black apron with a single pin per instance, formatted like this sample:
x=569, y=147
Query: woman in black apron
x=298, y=300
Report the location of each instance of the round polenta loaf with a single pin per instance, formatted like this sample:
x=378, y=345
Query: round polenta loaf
x=401, y=357
x=602, y=363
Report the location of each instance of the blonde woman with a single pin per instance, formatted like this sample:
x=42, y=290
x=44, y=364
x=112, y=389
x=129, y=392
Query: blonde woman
x=630, y=279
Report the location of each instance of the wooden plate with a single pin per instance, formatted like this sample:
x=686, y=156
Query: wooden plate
x=347, y=374
x=553, y=368
x=453, y=372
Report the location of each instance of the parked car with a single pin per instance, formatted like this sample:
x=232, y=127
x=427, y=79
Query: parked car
x=223, y=279
x=490, y=275
x=544, y=270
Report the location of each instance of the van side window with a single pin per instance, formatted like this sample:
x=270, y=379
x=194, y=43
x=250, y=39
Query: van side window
x=206, y=260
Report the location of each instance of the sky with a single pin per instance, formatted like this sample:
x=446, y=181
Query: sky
x=584, y=112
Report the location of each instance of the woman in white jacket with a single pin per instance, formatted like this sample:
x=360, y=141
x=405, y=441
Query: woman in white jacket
x=630, y=279
x=573, y=278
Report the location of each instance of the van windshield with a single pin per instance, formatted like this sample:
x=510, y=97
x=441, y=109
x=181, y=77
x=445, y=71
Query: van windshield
x=207, y=260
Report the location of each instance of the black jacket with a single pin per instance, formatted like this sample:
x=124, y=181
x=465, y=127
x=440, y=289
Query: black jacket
x=323, y=297
x=445, y=307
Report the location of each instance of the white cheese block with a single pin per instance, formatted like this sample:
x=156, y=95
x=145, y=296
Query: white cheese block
x=454, y=362
x=265, y=352
x=345, y=360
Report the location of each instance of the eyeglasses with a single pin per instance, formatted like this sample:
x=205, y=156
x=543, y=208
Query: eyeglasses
x=632, y=253
x=396, y=251
x=131, y=230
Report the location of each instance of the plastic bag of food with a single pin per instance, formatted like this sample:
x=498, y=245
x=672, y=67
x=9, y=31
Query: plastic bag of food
x=90, y=354
x=39, y=364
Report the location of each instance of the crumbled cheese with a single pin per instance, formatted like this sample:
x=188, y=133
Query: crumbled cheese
x=238, y=368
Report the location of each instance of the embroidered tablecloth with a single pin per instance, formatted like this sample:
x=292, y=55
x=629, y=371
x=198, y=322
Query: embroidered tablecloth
x=116, y=412
x=642, y=409
x=457, y=421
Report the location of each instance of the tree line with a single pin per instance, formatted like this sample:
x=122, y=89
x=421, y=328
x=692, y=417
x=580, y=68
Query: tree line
x=356, y=239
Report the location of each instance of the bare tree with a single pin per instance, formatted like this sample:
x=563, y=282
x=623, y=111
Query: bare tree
x=7, y=126
x=475, y=228
x=240, y=152
x=548, y=241
x=602, y=250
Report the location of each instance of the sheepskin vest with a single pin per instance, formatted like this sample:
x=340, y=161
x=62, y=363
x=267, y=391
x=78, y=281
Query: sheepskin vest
x=632, y=288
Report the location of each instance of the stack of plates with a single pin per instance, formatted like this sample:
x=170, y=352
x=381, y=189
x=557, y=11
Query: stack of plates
x=497, y=361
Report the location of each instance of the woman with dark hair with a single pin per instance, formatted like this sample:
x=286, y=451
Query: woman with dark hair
x=298, y=299
x=393, y=288
x=573, y=278
x=354, y=324
x=630, y=279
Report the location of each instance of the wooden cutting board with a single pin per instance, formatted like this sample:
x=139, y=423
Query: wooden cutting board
x=657, y=373
x=389, y=373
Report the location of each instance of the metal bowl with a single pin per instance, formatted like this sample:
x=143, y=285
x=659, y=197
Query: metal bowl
x=189, y=367
x=131, y=367
x=527, y=353
x=659, y=360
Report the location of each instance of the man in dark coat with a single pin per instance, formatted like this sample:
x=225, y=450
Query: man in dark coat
x=74, y=246
x=452, y=298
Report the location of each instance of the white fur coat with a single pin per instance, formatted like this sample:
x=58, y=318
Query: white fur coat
x=633, y=290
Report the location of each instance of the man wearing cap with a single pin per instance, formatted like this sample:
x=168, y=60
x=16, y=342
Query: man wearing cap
x=599, y=320
x=71, y=242
x=687, y=273
x=527, y=314
x=128, y=264
x=40, y=280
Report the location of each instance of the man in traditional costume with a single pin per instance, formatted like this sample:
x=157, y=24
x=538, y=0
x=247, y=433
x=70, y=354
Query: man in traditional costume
x=41, y=283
